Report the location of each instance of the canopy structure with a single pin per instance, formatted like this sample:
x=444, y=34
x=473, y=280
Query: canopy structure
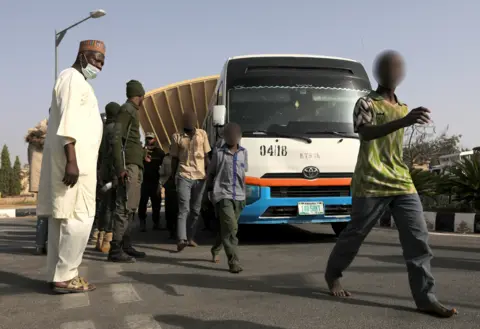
x=163, y=108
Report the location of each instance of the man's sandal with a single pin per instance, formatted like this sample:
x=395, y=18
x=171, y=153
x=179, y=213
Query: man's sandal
x=76, y=285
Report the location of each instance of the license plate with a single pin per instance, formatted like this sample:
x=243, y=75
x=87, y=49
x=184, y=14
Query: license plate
x=310, y=208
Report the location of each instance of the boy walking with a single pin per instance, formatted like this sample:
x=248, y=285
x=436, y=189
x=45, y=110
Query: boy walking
x=226, y=188
x=382, y=180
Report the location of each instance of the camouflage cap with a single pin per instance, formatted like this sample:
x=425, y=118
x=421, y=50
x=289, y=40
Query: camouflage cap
x=149, y=135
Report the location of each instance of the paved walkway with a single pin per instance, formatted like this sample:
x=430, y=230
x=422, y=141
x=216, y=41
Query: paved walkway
x=281, y=288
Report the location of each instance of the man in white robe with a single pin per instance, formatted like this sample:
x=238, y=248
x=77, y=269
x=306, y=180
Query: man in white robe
x=69, y=168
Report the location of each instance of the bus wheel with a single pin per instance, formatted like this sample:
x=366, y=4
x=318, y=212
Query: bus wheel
x=338, y=227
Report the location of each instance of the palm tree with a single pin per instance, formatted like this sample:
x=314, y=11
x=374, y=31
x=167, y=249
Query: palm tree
x=464, y=181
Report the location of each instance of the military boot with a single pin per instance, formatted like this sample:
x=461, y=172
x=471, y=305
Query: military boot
x=129, y=250
x=106, y=243
x=101, y=237
x=117, y=255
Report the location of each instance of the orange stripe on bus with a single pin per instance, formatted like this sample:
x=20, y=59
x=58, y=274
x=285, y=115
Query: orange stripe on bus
x=298, y=181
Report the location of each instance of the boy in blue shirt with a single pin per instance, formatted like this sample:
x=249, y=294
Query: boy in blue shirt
x=226, y=190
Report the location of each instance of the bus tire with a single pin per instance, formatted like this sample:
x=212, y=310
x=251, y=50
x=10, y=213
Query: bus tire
x=338, y=227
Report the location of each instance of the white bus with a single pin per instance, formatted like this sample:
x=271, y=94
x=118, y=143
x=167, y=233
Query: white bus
x=296, y=113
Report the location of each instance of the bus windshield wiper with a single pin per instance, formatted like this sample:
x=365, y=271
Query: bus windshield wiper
x=279, y=134
x=335, y=133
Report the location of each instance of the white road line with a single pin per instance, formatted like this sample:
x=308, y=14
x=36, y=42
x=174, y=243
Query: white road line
x=141, y=321
x=113, y=270
x=124, y=293
x=78, y=325
x=69, y=301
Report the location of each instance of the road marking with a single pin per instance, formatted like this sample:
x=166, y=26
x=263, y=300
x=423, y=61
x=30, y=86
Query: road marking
x=76, y=300
x=113, y=270
x=124, y=293
x=78, y=325
x=141, y=321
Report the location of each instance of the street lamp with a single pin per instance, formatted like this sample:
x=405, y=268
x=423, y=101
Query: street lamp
x=59, y=35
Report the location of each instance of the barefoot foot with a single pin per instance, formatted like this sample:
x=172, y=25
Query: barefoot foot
x=438, y=310
x=336, y=288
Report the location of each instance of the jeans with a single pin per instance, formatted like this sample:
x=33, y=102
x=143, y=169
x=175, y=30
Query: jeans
x=408, y=214
x=190, y=194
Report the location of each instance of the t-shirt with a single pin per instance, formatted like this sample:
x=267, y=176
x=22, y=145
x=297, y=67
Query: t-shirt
x=191, y=152
x=380, y=169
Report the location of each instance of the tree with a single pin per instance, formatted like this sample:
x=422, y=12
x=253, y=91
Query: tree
x=5, y=171
x=423, y=144
x=16, y=178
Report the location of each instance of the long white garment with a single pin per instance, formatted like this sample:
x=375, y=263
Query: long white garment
x=67, y=240
x=74, y=114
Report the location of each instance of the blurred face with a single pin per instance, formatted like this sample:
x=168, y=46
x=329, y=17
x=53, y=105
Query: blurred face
x=390, y=70
x=149, y=140
x=189, y=122
x=232, y=135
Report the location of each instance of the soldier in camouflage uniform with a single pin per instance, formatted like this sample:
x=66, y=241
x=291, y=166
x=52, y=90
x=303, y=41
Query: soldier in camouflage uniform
x=128, y=156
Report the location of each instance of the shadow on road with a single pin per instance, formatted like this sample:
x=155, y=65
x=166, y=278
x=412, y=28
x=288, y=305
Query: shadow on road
x=187, y=322
x=17, y=283
x=247, y=234
x=287, y=285
x=280, y=234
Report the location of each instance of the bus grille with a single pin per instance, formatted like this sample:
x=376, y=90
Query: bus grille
x=309, y=191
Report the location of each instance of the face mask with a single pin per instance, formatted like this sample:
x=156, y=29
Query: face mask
x=90, y=72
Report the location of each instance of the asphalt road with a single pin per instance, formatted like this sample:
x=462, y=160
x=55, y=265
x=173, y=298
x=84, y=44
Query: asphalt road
x=281, y=288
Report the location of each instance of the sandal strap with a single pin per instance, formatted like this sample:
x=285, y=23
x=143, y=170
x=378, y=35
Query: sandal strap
x=78, y=283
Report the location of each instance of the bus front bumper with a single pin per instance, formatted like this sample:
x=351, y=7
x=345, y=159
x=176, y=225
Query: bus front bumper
x=268, y=210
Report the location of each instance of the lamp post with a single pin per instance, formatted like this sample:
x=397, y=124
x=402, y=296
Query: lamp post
x=59, y=35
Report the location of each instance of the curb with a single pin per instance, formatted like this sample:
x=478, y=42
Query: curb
x=447, y=222
x=18, y=212
x=450, y=222
x=26, y=212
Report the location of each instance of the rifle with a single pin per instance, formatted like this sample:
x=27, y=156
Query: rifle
x=124, y=146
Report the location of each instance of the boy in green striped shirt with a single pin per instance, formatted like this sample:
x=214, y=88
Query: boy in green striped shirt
x=382, y=180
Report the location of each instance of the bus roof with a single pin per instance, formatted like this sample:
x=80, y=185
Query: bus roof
x=291, y=55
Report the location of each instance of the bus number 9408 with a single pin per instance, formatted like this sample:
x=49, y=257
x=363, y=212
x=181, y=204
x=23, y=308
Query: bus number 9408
x=273, y=150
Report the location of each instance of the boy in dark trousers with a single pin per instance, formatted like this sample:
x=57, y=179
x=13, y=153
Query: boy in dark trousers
x=167, y=181
x=226, y=188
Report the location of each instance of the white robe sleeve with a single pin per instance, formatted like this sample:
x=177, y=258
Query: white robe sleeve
x=71, y=95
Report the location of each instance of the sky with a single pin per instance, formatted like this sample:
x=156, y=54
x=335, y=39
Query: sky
x=162, y=42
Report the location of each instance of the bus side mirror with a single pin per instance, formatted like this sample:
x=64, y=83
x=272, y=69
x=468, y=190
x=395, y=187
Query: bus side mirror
x=219, y=113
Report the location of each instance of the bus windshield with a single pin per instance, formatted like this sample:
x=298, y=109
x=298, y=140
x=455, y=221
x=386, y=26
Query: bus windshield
x=293, y=109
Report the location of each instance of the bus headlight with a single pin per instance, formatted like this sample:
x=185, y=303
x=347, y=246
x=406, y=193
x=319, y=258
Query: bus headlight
x=253, y=194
